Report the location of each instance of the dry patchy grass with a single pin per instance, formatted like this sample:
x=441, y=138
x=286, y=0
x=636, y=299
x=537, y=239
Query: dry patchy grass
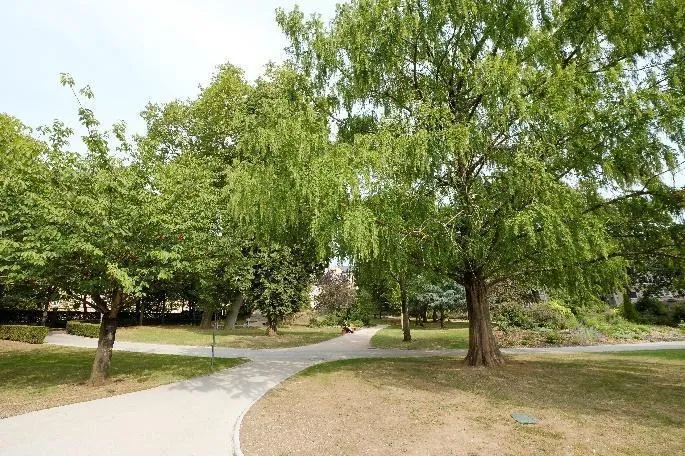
x=609, y=404
x=35, y=377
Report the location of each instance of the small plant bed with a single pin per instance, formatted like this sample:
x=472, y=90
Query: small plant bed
x=583, y=335
x=288, y=336
x=35, y=377
x=609, y=404
x=428, y=337
x=551, y=325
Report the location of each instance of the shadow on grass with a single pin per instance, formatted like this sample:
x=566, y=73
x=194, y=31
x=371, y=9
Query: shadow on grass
x=639, y=386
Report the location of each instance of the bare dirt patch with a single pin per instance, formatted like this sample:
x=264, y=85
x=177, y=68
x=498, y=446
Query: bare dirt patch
x=586, y=404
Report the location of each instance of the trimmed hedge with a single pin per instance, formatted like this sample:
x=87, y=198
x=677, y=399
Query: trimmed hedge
x=24, y=333
x=78, y=328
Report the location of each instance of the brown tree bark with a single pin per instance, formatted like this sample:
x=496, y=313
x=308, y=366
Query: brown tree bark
x=271, y=328
x=232, y=316
x=406, y=330
x=483, y=349
x=206, y=320
x=108, y=329
x=442, y=318
x=85, y=307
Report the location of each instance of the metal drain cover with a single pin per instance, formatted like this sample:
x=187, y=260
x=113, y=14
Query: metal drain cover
x=523, y=418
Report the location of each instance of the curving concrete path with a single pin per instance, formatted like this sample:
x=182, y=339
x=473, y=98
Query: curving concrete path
x=200, y=416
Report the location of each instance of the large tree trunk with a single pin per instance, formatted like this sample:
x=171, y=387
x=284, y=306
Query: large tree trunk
x=483, y=350
x=271, y=329
x=46, y=306
x=141, y=310
x=108, y=329
x=435, y=315
x=232, y=316
x=406, y=330
x=206, y=321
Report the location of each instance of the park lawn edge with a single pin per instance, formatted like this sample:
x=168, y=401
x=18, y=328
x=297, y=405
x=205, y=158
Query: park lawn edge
x=74, y=389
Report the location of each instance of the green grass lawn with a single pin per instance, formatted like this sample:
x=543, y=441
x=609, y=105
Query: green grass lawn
x=623, y=403
x=428, y=337
x=288, y=336
x=42, y=376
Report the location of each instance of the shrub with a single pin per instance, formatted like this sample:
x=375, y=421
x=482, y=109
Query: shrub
x=554, y=338
x=613, y=324
x=24, y=333
x=79, y=328
x=653, y=311
x=678, y=311
x=356, y=324
x=511, y=315
x=583, y=335
x=325, y=320
x=362, y=314
x=553, y=314
x=629, y=310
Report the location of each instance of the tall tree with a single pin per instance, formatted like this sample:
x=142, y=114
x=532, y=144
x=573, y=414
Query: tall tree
x=522, y=122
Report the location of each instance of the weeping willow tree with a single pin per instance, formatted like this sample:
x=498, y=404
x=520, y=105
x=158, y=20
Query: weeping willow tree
x=518, y=127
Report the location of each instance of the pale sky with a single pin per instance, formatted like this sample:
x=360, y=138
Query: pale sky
x=130, y=52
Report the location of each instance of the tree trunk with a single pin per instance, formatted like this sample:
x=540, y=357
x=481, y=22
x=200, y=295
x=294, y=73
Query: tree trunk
x=141, y=309
x=406, y=330
x=46, y=306
x=103, y=355
x=435, y=315
x=483, y=350
x=85, y=307
x=232, y=316
x=206, y=321
x=44, y=318
x=271, y=329
x=424, y=314
x=442, y=318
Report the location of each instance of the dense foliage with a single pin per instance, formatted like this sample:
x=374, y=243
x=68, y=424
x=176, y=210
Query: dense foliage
x=439, y=146
x=24, y=333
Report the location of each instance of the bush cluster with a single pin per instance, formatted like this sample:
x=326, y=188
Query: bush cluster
x=24, y=333
x=334, y=320
x=650, y=310
x=79, y=328
x=552, y=314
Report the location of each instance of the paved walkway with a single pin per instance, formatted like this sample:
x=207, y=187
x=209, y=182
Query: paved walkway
x=200, y=416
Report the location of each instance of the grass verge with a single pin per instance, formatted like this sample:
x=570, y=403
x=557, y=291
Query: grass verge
x=35, y=377
x=290, y=336
x=609, y=403
x=428, y=337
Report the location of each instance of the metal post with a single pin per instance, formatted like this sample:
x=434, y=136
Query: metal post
x=213, y=339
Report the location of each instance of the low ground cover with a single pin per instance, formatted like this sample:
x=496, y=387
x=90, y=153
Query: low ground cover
x=42, y=376
x=609, y=403
x=288, y=336
x=545, y=325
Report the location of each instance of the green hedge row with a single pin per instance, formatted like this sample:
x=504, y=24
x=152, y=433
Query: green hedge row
x=24, y=333
x=78, y=328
